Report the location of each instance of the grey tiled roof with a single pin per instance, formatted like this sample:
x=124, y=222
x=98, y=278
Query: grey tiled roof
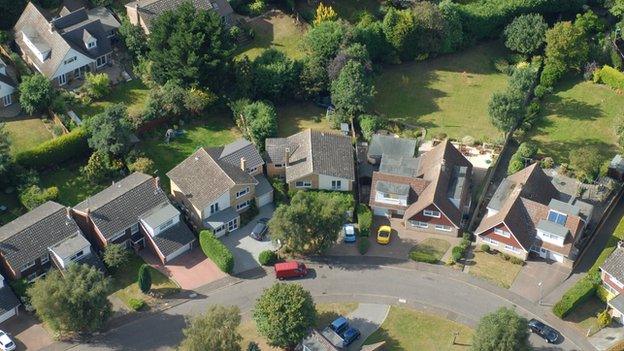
x=388, y=144
x=70, y=245
x=8, y=300
x=263, y=186
x=233, y=152
x=222, y=217
x=120, y=205
x=174, y=238
x=29, y=236
x=614, y=264
x=151, y=9
x=617, y=303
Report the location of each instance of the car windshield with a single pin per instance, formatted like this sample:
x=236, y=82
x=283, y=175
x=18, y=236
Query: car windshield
x=258, y=228
x=384, y=233
x=349, y=230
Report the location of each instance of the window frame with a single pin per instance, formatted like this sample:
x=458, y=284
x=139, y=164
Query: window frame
x=442, y=228
x=242, y=192
x=28, y=265
x=304, y=184
x=432, y=213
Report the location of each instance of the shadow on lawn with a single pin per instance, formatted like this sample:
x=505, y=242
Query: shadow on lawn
x=264, y=35
x=560, y=150
x=570, y=109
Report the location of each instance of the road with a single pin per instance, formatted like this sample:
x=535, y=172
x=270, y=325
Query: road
x=436, y=289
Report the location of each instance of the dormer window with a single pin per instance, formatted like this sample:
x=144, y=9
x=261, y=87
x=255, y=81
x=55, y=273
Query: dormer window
x=91, y=44
x=557, y=217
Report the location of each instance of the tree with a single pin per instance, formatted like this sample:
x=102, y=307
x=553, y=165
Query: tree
x=284, y=313
x=96, y=85
x=257, y=120
x=142, y=164
x=100, y=167
x=144, y=278
x=214, y=330
x=110, y=130
x=502, y=330
x=76, y=301
x=115, y=256
x=133, y=37
x=616, y=7
x=586, y=162
x=197, y=100
x=275, y=76
x=5, y=151
x=369, y=124
x=324, y=40
x=352, y=91
x=430, y=28
x=33, y=196
x=252, y=346
x=526, y=33
x=400, y=30
x=36, y=93
x=506, y=110
x=566, y=48
x=324, y=13
x=190, y=45
x=369, y=32
x=311, y=223
x=454, y=38
x=589, y=23
x=354, y=52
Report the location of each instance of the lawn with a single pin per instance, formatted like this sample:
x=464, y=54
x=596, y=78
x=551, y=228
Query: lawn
x=407, y=329
x=295, y=117
x=430, y=250
x=216, y=130
x=26, y=132
x=132, y=94
x=125, y=286
x=584, y=316
x=73, y=187
x=448, y=94
x=276, y=30
x=579, y=113
x=494, y=268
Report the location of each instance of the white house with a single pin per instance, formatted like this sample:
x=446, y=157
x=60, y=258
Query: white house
x=7, y=86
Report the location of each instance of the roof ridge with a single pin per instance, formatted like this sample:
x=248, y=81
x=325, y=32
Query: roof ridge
x=31, y=213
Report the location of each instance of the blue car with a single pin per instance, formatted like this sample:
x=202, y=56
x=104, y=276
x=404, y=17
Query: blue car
x=349, y=233
x=347, y=334
x=339, y=325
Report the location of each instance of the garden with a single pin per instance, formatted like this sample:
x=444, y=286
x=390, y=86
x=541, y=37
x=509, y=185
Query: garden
x=26, y=132
x=430, y=250
x=493, y=267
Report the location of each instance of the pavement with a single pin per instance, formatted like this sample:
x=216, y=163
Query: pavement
x=190, y=270
x=536, y=271
x=367, y=318
x=246, y=249
x=605, y=338
x=27, y=332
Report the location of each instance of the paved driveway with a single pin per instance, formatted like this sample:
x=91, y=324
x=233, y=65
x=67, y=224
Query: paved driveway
x=538, y=270
x=367, y=318
x=245, y=249
x=27, y=332
x=190, y=270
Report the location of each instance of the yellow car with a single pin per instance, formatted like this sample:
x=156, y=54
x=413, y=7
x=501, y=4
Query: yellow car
x=383, y=234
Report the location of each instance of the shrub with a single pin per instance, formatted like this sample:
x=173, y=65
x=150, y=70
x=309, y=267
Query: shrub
x=604, y=318
x=464, y=244
x=547, y=162
x=216, y=251
x=516, y=164
x=611, y=77
x=457, y=253
x=579, y=293
x=144, y=278
x=365, y=219
x=115, y=256
x=34, y=196
x=55, y=151
x=142, y=164
x=370, y=124
x=267, y=258
x=527, y=150
x=136, y=304
x=485, y=248
x=467, y=236
x=516, y=260
x=363, y=245
x=423, y=257
x=603, y=294
x=97, y=85
x=257, y=7
x=100, y=167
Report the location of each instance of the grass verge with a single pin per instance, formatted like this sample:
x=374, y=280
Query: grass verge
x=494, y=268
x=430, y=250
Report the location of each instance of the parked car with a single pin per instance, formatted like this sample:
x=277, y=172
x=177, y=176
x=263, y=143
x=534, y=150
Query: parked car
x=290, y=269
x=6, y=344
x=546, y=332
x=383, y=234
x=260, y=229
x=340, y=333
x=349, y=233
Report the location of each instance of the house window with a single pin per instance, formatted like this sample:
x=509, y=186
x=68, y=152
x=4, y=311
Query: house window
x=31, y=277
x=443, y=228
x=100, y=61
x=492, y=242
x=27, y=265
x=166, y=225
x=510, y=248
x=243, y=204
x=62, y=79
x=76, y=256
x=7, y=100
x=303, y=184
x=419, y=224
x=501, y=232
x=135, y=228
x=91, y=44
x=214, y=208
x=70, y=60
x=431, y=213
x=336, y=184
x=117, y=236
x=242, y=192
x=232, y=225
x=45, y=259
x=278, y=165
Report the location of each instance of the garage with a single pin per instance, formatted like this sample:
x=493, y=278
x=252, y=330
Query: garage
x=8, y=301
x=265, y=199
x=378, y=211
x=178, y=252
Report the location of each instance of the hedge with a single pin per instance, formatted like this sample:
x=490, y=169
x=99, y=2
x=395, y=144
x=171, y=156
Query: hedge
x=579, y=293
x=55, y=151
x=214, y=249
x=611, y=77
x=365, y=219
x=267, y=258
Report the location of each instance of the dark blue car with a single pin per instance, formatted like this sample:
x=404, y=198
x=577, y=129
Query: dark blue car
x=546, y=332
x=347, y=333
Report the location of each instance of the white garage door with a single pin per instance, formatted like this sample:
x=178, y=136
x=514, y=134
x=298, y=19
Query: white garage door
x=265, y=199
x=8, y=315
x=380, y=211
x=555, y=256
x=178, y=252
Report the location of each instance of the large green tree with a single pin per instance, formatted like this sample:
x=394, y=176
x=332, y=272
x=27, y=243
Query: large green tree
x=430, y=27
x=257, y=120
x=110, y=131
x=75, y=301
x=311, y=223
x=190, y=45
x=567, y=48
x=400, y=29
x=526, y=33
x=214, y=330
x=506, y=110
x=284, y=314
x=275, y=76
x=503, y=330
x=36, y=93
x=133, y=37
x=352, y=91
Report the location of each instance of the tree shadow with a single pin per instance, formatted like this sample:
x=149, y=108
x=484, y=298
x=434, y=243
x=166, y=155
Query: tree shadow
x=571, y=109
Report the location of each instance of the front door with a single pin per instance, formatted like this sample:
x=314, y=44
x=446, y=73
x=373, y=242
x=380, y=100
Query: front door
x=7, y=100
x=232, y=225
x=62, y=79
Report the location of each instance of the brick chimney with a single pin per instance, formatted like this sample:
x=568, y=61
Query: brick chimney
x=243, y=164
x=286, y=156
x=156, y=183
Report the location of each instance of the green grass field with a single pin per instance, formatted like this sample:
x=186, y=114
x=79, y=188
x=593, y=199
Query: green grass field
x=430, y=250
x=579, y=113
x=26, y=132
x=295, y=117
x=132, y=94
x=278, y=31
x=494, y=268
x=448, y=94
x=73, y=187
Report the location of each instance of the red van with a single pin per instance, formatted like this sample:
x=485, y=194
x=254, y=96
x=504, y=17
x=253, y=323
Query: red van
x=290, y=269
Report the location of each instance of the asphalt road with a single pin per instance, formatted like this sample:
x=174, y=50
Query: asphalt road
x=439, y=290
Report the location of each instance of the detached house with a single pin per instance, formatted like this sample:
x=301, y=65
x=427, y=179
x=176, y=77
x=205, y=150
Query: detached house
x=612, y=275
x=7, y=86
x=527, y=214
x=142, y=12
x=47, y=235
x=215, y=185
x=431, y=193
x=64, y=48
x=312, y=160
x=9, y=303
x=135, y=212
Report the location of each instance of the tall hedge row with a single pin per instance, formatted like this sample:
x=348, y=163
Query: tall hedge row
x=214, y=249
x=54, y=151
x=579, y=293
x=611, y=77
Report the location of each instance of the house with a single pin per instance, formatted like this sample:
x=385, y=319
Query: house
x=142, y=12
x=431, y=192
x=64, y=48
x=30, y=244
x=7, y=86
x=312, y=159
x=527, y=214
x=214, y=185
x=9, y=303
x=135, y=212
x=612, y=275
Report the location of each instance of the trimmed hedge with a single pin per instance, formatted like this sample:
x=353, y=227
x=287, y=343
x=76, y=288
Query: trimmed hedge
x=579, y=293
x=55, y=151
x=214, y=249
x=136, y=304
x=363, y=246
x=267, y=258
x=611, y=77
x=365, y=219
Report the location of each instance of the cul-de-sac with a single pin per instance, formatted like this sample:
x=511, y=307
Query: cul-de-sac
x=312, y=175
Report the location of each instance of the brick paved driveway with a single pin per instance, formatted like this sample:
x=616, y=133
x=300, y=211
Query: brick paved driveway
x=27, y=332
x=190, y=270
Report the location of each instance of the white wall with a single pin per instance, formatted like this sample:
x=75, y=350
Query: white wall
x=325, y=183
x=81, y=60
x=397, y=200
x=64, y=261
x=558, y=242
x=157, y=230
x=5, y=90
x=224, y=202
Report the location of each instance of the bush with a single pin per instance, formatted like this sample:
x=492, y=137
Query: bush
x=547, y=163
x=457, y=253
x=100, y=167
x=34, y=196
x=267, y=258
x=142, y=164
x=55, y=151
x=527, y=150
x=579, y=293
x=257, y=7
x=611, y=77
x=516, y=260
x=216, y=251
x=363, y=246
x=136, y=304
x=365, y=219
x=369, y=124
x=485, y=248
x=464, y=244
x=604, y=318
x=96, y=85
x=115, y=256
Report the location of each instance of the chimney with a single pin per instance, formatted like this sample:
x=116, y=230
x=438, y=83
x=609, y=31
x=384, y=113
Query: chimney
x=52, y=27
x=243, y=164
x=68, y=212
x=136, y=10
x=156, y=183
x=286, y=156
x=88, y=212
x=620, y=244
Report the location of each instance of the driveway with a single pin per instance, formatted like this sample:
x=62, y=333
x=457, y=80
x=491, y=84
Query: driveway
x=367, y=318
x=27, y=332
x=190, y=270
x=245, y=249
x=535, y=271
